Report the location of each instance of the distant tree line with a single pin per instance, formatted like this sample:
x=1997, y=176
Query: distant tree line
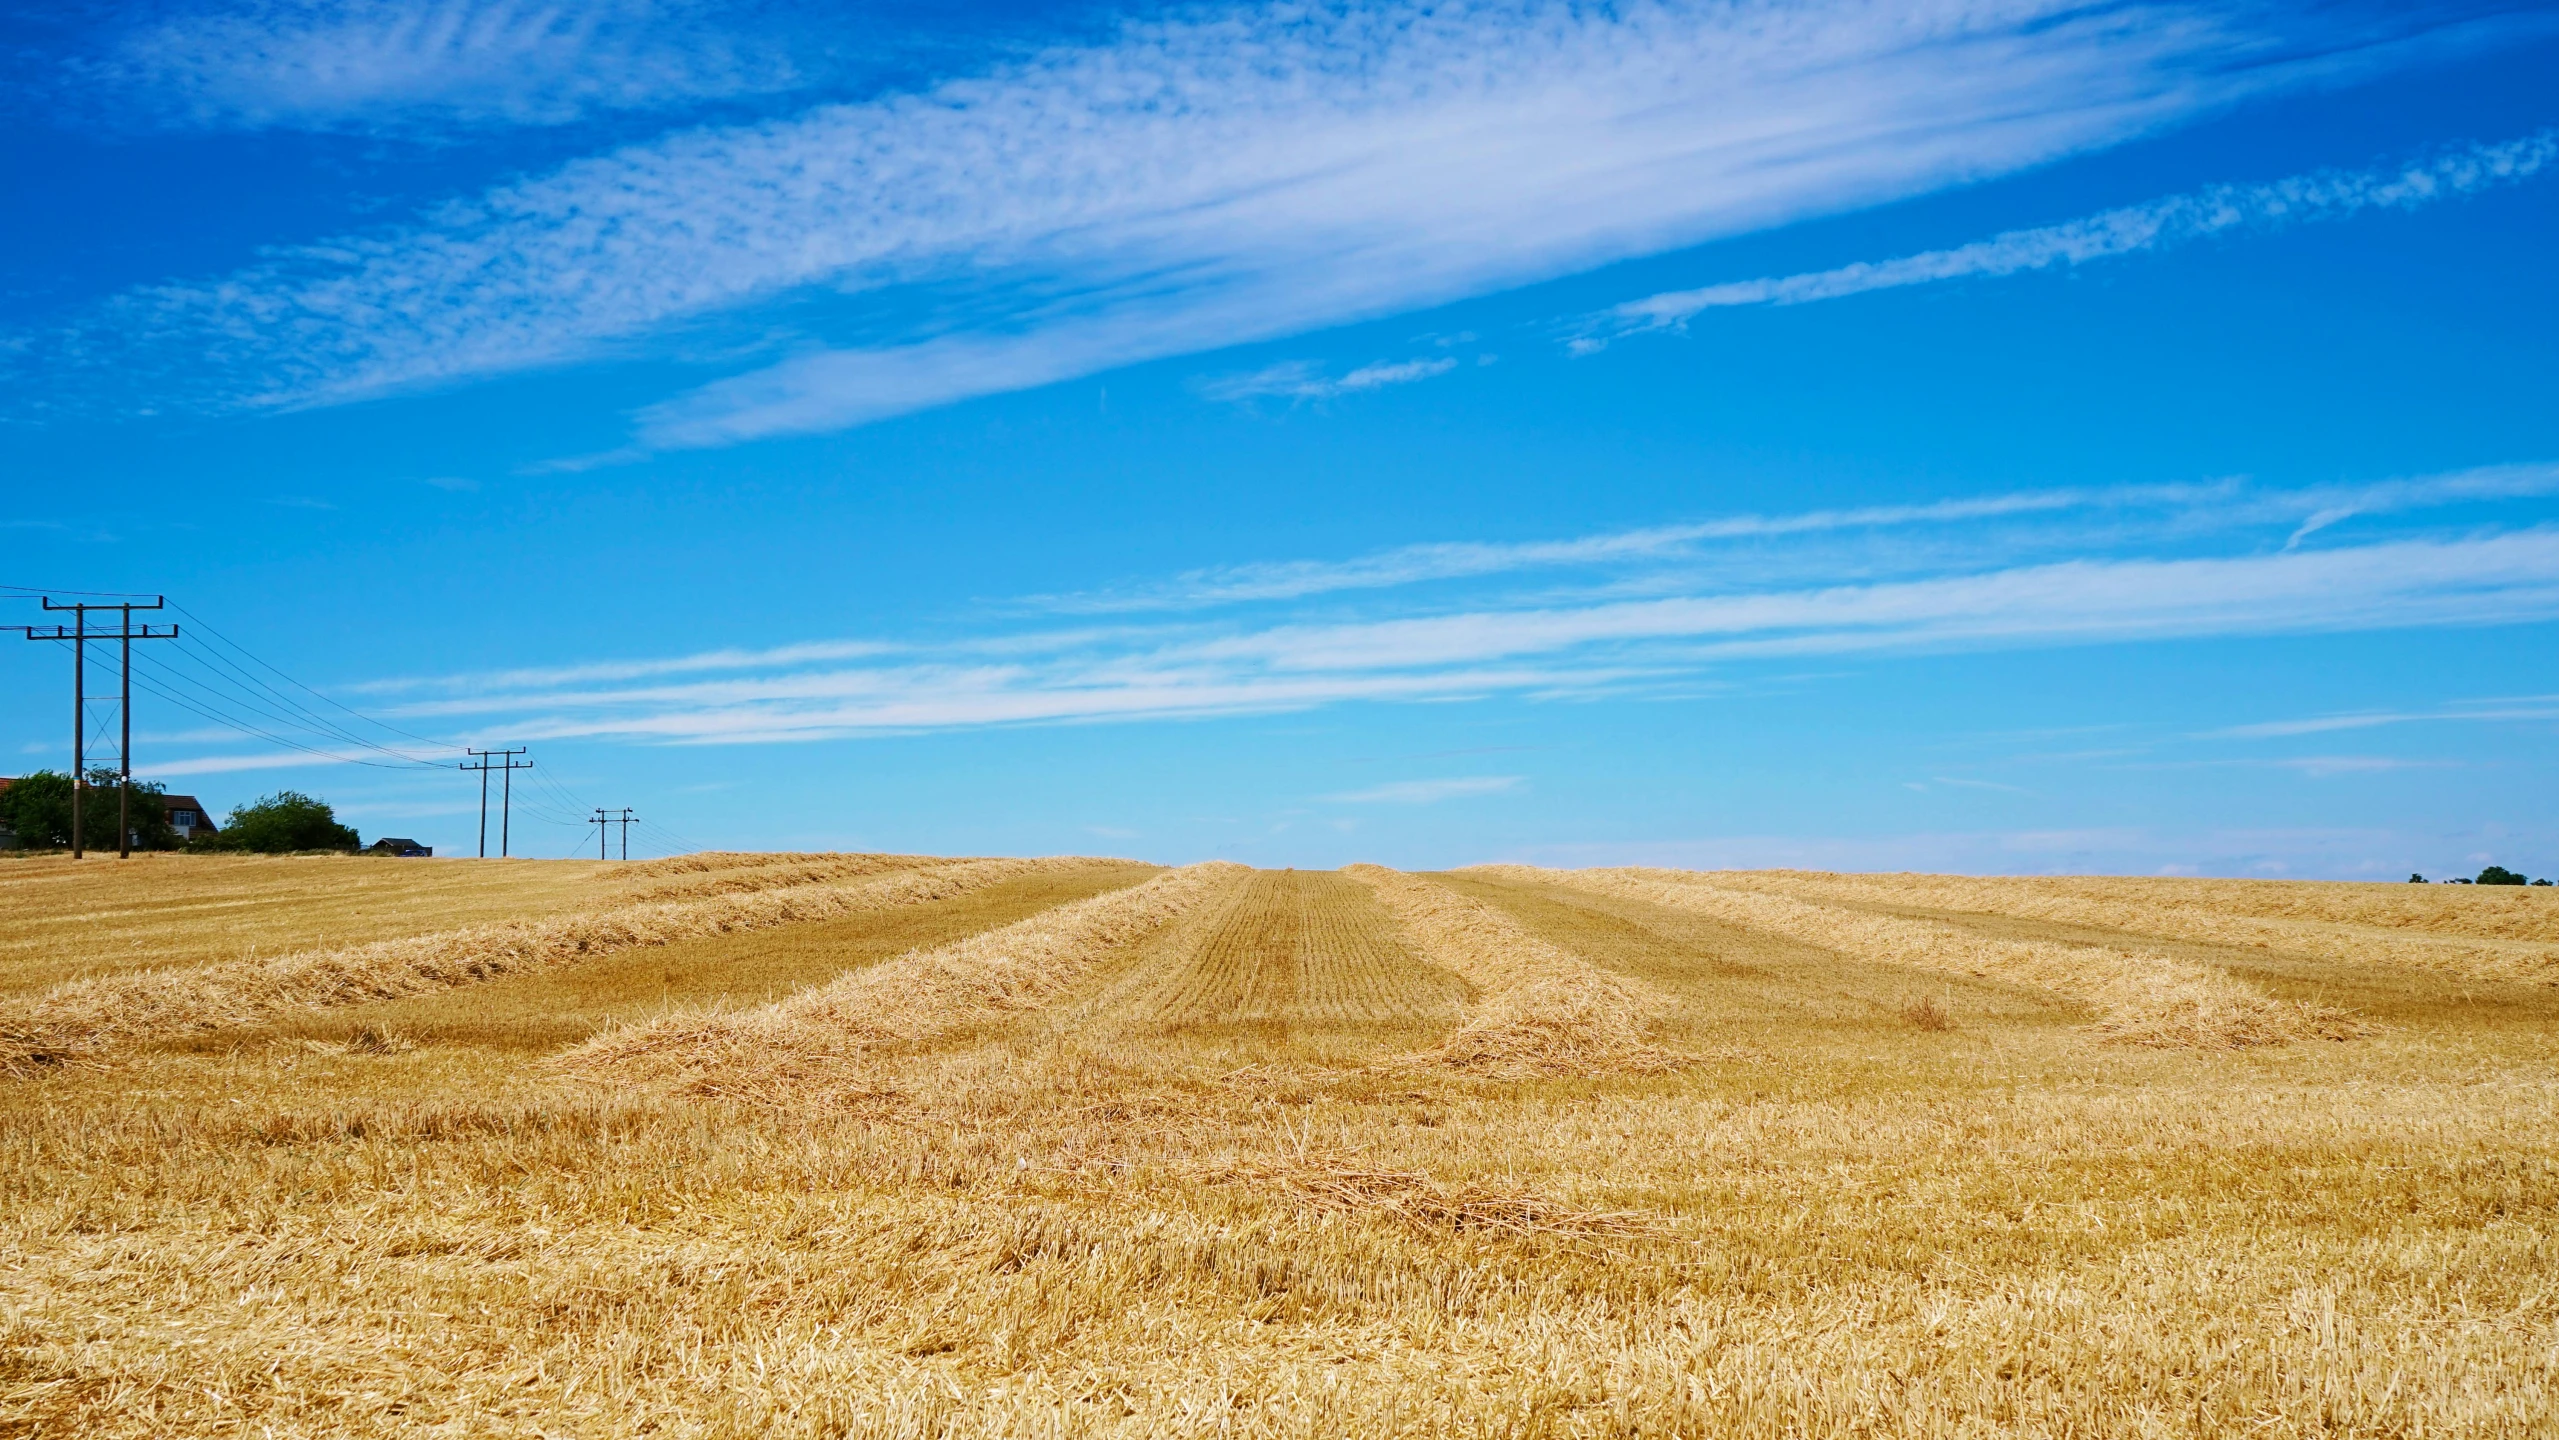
x=2493, y=875
x=37, y=809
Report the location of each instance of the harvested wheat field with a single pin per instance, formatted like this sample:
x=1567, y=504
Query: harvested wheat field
x=822, y=1145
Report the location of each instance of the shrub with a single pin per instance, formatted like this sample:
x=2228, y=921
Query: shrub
x=37, y=808
x=280, y=824
x=2499, y=875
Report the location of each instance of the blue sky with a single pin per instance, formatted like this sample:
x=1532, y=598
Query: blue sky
x=2000, y=436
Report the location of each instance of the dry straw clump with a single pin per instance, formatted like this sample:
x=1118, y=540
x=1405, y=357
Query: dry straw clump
x=78, y=1019
x=812, y=1043
x=2496, y=938
x=1541, y=1010
x=2141, y=996
x=1346, y=1184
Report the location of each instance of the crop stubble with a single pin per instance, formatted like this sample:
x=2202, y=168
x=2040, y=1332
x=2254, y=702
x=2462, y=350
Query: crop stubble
x=1288, y=952
x=1052, y=1220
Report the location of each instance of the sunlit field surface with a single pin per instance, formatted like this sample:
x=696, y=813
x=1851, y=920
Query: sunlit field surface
x=877, y=1145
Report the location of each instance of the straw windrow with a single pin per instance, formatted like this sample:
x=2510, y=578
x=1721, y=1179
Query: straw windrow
x=2356, y=928
x=78, y=1019
x=778, y=875
x=2141, y=997
x=814, y=1041
x=1541, y=1010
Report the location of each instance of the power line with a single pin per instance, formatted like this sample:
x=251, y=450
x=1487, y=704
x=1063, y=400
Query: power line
x=298, y=685
x=241, y=688
x=221, y=714
x=23, y=590
x=673, y=842
x=252, y=729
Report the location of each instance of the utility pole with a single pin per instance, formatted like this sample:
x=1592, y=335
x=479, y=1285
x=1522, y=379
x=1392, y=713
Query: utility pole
x=600, y=819
x=79, y=634
x=506, y=800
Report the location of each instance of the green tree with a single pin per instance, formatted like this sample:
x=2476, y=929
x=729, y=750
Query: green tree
x=280, y=824
x=37, y=808
x=2499, y=875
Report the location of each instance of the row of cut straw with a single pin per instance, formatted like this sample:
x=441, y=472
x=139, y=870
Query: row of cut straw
x=816, y=1039
x=1540, y=1010
x=2141, y=997
x=84, y=1016
x=2120, y=906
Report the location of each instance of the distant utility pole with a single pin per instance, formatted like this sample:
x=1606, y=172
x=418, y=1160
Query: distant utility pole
x=601, y=819
x=506, y=763
x=79, y=634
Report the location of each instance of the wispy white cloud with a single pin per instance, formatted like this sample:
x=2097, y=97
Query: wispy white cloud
x=1225, y=175
x=2534, y=707
x=234, y=764
x=1303, y=380
x=306, y=64
x=726, y=659
x=1425, y=646
x=2176, y=220
x=2180, y=509
x=1564, y=650
x=1428, y=792
x=2321, y=767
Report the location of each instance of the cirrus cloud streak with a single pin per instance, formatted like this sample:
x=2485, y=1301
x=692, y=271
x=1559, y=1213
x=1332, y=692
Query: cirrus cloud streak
x=1220, y=176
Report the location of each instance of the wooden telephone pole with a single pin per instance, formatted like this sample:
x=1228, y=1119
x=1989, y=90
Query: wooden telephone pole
x=480, y=761
x=601, y=819
x=80, y=635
